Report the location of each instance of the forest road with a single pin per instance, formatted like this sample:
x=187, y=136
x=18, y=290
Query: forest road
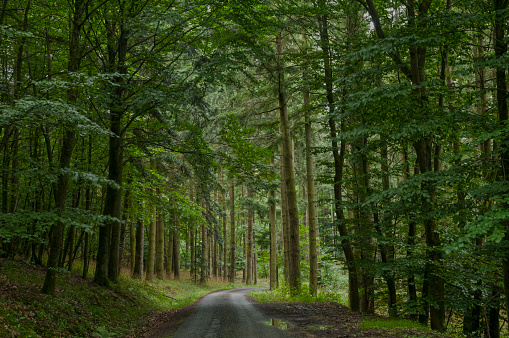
x=227, y=313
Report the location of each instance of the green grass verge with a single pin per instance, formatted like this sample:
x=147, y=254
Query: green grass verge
x=83, y=309
x=282, y=294
x=387, y=323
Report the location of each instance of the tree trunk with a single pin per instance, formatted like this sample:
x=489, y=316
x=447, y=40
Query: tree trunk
x=204, y=252
x=284, y=220
x=109, y=237
x=387, y=251
x=338, y=152
x=132, y=242
x=249, y=246
x=169, y=253
x=289, y=178
x=311, y=199
x=273, y=237
x=152, y=231
x=193, y=252
x=68, y=142
x=160, y=239
x=500, y=23
x=225, y=251
x=176, y=252
x=231, y=277
x=140, y=248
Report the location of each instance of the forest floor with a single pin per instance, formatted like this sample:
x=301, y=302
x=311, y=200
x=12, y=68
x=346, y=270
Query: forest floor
x=134, y=308
x=321, y=319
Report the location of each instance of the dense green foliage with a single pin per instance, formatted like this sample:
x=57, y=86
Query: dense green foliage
x=162, y=117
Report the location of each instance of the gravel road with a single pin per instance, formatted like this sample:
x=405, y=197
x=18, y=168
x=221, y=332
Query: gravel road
x=227, y=314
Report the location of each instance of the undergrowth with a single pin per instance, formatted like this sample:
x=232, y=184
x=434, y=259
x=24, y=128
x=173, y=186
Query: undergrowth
x=333, y=288
x=83, y=309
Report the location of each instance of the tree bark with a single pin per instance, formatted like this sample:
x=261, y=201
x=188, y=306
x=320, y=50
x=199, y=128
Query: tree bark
x=176, y=252
x=273, y=237
x=140, y=248
x=152, y=231
x=160, y=239
x=289, y=178
x=68, y=142
x=338, y=152
x=231, y=277
x=311, y=199
x=249, y=244
x=169, y=253
x=109, y=234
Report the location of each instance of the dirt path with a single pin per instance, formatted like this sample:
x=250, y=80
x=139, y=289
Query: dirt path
x=231, y=313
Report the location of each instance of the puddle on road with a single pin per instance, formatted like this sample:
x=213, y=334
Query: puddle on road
x=277, y=323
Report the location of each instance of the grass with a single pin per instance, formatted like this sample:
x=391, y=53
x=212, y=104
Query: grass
x=282, y=294
x=335, y=291
x=388, y=323
x=83, y=309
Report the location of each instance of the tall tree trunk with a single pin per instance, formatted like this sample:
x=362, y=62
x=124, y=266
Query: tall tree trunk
x=176, y=252
x=225, y=244
x=284, y=220
x=289, y=178
x=193, y=251
x=88, y=203
x=169, y=253
x=338, y=152
x=500, y=23
x=387, y=251
x=109, y=234
x=140, y=248
x=204, y=271
x=231, y=277
x=68, y=142
x=132, y=242
x=249, y=246
x=152, y=231
x=311, y=199
x=273, y=237
x=160, y=239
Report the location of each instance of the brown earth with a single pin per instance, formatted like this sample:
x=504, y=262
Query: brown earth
x=298, y=319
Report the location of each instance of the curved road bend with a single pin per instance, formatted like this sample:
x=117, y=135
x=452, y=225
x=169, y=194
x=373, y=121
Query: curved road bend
x=227, y=314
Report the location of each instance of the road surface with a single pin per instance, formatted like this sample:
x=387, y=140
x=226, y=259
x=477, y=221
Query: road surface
x=227, y=314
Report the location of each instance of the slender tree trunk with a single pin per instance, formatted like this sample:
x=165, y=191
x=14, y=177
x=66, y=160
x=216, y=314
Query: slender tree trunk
x=289, y=178
x=225, y=245
x=249, y=246
x=193, y=252
x=140, y=248
x=152, y=231
x=88, y=202
x=160, y=239
x=284, y=220
x=132, y=242
x=311, y=198
x=231, y=277
x=273, y=237
x=387, y=251
x=338, y=152
x=204, y=252
x=169, y=253
x=176, y=252
x=68, y=142
x=109, y=234
x=500, y=23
